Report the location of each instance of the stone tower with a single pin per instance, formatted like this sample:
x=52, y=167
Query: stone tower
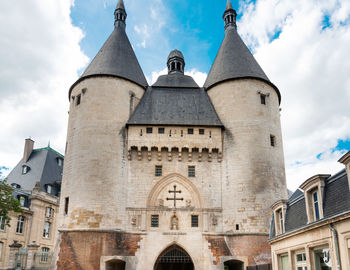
x=170, y=176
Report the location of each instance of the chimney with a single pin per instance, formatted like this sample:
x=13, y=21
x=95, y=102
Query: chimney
x=28, y=148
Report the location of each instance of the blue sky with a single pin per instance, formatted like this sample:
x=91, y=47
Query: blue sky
x=195, y=27
x=303, y=47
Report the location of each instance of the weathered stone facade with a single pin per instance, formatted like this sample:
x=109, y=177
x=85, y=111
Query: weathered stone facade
x=132, y=190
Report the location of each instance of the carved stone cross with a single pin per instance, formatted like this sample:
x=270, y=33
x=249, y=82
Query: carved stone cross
x=174, y=199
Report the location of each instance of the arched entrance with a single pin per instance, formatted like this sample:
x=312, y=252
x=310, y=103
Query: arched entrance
x=174, y=258
x=233, y=265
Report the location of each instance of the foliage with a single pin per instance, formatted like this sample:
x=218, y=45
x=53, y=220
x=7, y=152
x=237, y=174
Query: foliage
x=7, y=202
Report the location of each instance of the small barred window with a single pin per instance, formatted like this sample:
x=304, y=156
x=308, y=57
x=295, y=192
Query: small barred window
x=158, y=171
x=194, y=221
x=154, y=221
x=191, y=171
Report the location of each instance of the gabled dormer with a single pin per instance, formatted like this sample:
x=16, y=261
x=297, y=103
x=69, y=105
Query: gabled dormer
x=314, y=193
x=346, y=161
x=279, y=212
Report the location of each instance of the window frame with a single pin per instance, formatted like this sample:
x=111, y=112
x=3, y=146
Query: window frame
x=273, y=140
x=302, y=263
x=20, y=224
x=201, y=131
x=49, y=212
x=190, y=131
x=155, y=221
x=149, y=130
x=194, y=221
x=263, y=99
x=66, y=205
x=158, y=170
x=49, y=189
x=47, y=230
x=191, y=171
x=2, y=224
x=315, y=204
x=161, y=130
x=78, y=101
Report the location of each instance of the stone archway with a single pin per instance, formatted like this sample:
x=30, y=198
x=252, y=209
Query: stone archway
x=233, y=265
x=174, y=258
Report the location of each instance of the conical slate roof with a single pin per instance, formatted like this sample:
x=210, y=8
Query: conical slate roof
x=235, y=61
x=116, y=58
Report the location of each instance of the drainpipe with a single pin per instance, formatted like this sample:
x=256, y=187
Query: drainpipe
x=336, y=243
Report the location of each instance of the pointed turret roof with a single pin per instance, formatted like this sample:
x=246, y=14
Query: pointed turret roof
x=116, y=57
x=234, y=60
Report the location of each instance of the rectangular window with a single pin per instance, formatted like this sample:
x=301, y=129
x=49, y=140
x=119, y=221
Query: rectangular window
x=44, y=255
x=46, y=232
x=20, y=224
x=263, y=99
x=158, y=171
x=155, y=221
x=191, y=171
x=66, y=204
x=322, y=259
x=316, y=207
x=149, y=130
x=237, y=227
x=24, y=169
x=49, y=189
x=280, y=221
x=284, y=261
x=22, y=200
x=201, y=131
x=194, y=221
x=161, y=130
x=78, y=100
x=300, y=261
x=272, y=140
x=60, y=162
x=49, y=212
x=190, y=131
x=2, y=224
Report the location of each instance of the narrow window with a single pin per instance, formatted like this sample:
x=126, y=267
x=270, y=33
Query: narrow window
x=44, y=254
x=49, y=189
x=263, y=99
x=170, y=133
x=161, y=130
x=60, y=162
x=316, y=207
x=20, y=224
x=49, y=212
x=237, y=227
x=140, y=132
x=284, y=262
x=172, y=66
x=190, y=131
x=194, y=221
x=201, y=131
x=149, y=130
x=2, y=223
x=182, y=133
x=158, y=171
x=22, y=200
x=280, y=221
x=24, y=169
x=66, y=204
x=191, y=171
x=154, y=221
x=209, y=134
x=46, y=232
x=272, y=140
x=300, y=261
x=78, y=100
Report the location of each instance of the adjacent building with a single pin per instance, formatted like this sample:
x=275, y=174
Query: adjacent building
x=36, y=180
x=311, y=230
x=172, y=175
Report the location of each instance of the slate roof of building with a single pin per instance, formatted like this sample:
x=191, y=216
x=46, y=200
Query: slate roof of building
x=235, y=61
x=177, y=80
x=43, y=168
x=175, y=106
x=116, y=58
x=336, y=200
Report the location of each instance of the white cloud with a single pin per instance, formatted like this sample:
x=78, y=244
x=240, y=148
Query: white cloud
x=198, y=76
x=310, y=66
x=40, y=57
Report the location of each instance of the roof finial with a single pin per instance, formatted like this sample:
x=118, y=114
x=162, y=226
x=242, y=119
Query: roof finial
x=230, y=16
x=120, y=15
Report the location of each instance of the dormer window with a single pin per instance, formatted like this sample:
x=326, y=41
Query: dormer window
x=315, y=205
x=59, y=162
x=14, y=185
x=25, y=169
x=22, y=200
x=49, y=189
x=279, y=210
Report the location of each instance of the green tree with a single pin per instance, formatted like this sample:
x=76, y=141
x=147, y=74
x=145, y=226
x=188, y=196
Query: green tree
x=7, y=202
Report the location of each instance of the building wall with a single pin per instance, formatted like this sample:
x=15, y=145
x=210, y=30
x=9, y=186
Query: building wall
x=253, y=173
x=309, y=239
x=33, y=226
x=95, y=164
